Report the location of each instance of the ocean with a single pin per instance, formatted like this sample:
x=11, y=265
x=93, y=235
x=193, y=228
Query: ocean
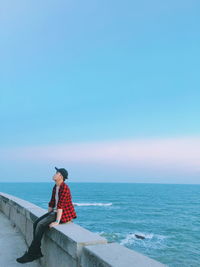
x=167, y=215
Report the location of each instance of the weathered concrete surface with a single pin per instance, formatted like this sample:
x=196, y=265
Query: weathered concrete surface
x=61, y=245
x=71, y=238
x=66, y=245
x=115, y=255
x=12, y=245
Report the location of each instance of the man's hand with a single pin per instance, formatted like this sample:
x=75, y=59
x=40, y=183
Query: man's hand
x=53, y=224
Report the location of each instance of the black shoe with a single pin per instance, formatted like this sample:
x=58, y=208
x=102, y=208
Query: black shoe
x=27, y=257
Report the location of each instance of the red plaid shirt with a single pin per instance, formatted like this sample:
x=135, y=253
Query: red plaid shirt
x=64, y=202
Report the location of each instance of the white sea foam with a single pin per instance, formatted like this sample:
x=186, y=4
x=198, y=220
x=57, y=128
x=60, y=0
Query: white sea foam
x=92, y=204
x=150, y=240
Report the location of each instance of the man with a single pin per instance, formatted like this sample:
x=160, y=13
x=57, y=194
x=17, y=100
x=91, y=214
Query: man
x=60, y=210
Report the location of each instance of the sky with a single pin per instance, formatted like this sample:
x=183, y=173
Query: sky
x=108, y=90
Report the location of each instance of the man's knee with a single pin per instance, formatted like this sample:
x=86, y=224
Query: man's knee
x=42, y=224
x=35, y=223
x=40, y=228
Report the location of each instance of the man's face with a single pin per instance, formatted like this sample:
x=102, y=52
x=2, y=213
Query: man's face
x=57, y=177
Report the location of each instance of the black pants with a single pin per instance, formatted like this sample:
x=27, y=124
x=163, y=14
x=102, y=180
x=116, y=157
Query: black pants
x=39, y=227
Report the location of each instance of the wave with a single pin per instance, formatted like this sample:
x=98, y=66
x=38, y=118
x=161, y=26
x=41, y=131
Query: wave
x=150, y=239
x=92, y=204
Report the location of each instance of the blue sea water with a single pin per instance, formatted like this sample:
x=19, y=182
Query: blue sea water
x=167, y=215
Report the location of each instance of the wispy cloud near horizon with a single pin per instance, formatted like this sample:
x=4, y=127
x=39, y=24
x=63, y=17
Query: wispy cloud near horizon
x=166, y=156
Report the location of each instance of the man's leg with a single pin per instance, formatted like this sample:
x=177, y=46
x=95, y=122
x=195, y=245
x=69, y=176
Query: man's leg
x=42, y=224
x=37, y=221
x=34, y=250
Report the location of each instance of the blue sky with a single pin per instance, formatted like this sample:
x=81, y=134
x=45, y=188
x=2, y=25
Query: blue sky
x=100, y=74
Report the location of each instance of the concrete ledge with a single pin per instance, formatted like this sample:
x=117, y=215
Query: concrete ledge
x=61, y=245
x=70, y=245
x=115, y=255
x=72, y=237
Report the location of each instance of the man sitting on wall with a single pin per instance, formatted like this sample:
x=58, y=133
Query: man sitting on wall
x=60, y=210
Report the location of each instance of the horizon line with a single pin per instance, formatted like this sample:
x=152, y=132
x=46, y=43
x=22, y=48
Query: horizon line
x=108, y=183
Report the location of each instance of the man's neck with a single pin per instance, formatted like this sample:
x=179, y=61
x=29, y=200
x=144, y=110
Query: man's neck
x=59, y=183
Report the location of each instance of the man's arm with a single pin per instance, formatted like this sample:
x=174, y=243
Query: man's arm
x=59, y=215
x=64, y=194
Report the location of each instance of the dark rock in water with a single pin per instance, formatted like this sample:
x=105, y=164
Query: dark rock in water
x=139, y=236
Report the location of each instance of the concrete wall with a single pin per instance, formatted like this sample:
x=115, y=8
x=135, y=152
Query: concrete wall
x=70, y=245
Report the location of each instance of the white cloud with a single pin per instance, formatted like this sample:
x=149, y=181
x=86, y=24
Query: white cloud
x=180, y=154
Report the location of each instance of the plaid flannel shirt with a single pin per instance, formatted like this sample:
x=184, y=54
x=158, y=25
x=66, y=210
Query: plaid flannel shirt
x=64, y=202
